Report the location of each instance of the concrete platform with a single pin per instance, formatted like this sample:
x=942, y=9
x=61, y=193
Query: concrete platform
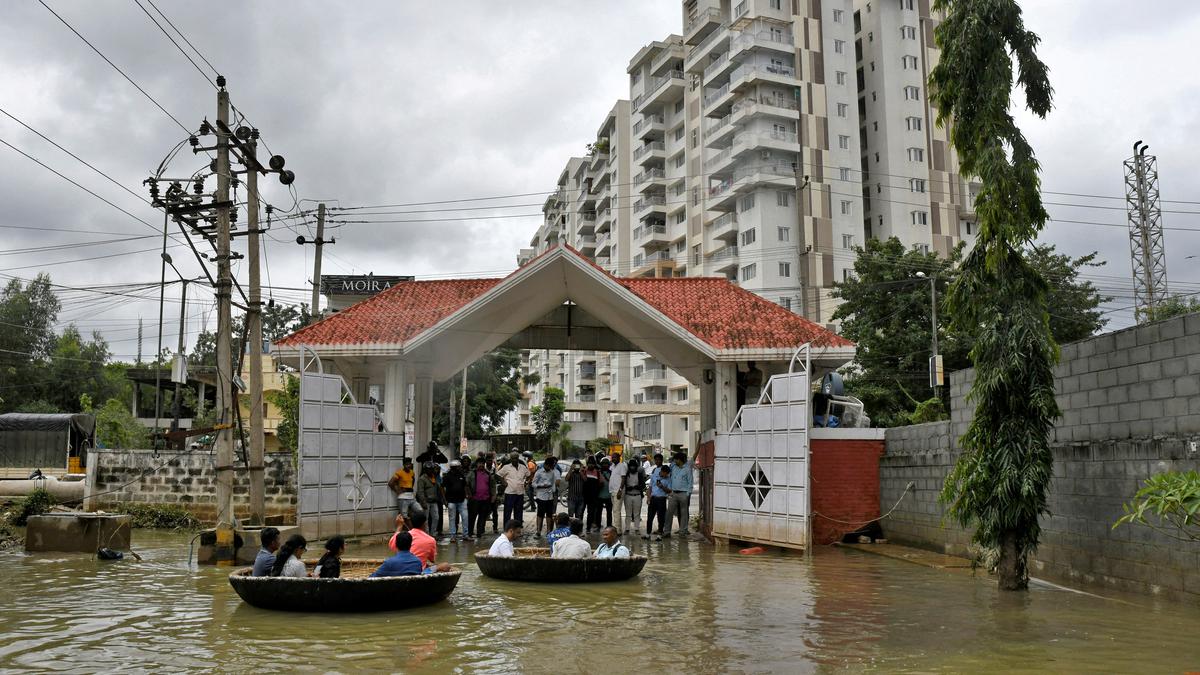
x=78, y=532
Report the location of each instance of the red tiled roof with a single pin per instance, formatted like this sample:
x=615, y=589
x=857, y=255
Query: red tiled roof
x=727, y=316
x=393, y=316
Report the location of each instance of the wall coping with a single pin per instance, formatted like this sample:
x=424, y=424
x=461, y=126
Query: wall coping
x=846, y=434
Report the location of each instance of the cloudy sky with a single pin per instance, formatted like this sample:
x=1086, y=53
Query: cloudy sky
x=405, y=103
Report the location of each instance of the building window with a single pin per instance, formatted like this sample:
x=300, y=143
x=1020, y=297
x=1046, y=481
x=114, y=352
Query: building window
x=912, y=93
x=968, y=224
x=783, y=198
x=847, y=241
x=920, y=218
x=845, y=274
x=916, y=155
x=784, y=234
x=679, y=106
x=842, y=109
x=839, y=46
x=847, y=207
x=695, y=137
x=748, y=237
x=844, y=142
x=785, y=269
x=776, y=4
x=908, y=33
x=681, y=395
x=908, y=62
x=913, y=123
x=906, y=4
x=748, y=272
x=786, y=302
x=679, y=133
x=916, y=184
x=637, y=370
x=696, y=254
x=838, y=15
x=745, y=203
x=636, y=77
x=924, y=248
x=841, y=77
x=680, y=217
x=679, y=161
x=843, y=173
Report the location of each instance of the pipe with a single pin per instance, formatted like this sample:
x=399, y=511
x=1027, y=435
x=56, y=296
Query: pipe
x=63, y=491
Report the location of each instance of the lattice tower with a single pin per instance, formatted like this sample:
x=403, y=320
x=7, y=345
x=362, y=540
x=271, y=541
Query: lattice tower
x=1145, y=231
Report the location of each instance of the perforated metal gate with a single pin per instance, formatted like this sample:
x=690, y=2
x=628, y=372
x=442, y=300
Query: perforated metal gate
x=345, y=463
x=761, y=483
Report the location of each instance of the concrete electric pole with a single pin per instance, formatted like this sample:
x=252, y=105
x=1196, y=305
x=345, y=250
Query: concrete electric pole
x=223, y=551
x=316, y=298
x=254, y=326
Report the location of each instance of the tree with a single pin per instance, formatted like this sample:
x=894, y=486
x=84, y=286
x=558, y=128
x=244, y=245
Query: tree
x=116, y=427
x=288, y=402
x=1173, y=499
x=1073, y=303
x=1175, y=305
x=78, y=367
x=1000, y=481
x=493, y=389
x=27, y=316
x=547, y=417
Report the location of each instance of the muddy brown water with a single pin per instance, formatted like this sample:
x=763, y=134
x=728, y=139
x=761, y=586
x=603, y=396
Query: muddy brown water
x=693, y=609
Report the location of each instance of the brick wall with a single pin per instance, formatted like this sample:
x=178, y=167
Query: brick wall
x=845, y=485
x=1131, y=408
x=188, y=480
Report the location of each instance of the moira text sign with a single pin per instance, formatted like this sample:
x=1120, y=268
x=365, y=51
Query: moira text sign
x=358, y=285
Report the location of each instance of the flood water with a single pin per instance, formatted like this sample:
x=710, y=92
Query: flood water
x=693, y=609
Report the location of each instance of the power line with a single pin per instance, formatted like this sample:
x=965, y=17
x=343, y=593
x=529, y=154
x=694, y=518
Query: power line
x=181, y=51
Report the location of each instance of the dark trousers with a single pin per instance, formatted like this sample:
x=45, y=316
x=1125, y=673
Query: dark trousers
x=606, y=506
x=478, y=511
x=494, y=514
x=575, y=507
x=593, y=513
x=514, y=507
x=658, y=508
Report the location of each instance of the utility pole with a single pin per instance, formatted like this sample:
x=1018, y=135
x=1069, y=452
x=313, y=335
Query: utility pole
x=223, y=551
x=254, y=325
x=179, y=354
x=462, y=420
x=935, y=360
x=316, y=298
x=453, y=418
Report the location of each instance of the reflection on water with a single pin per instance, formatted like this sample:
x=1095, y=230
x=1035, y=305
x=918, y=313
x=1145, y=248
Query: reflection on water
x=693, y=609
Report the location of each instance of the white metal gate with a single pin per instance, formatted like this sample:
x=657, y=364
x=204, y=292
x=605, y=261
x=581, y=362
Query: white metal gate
x=345, y=463
x=761, y=476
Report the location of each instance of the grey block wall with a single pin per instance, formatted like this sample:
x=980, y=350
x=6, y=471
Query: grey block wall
x=1131, y=408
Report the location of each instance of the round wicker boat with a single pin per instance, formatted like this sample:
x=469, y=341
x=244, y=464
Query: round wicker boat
x=535, y=564
x=355, y=591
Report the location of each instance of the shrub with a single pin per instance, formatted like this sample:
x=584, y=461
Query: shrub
x=34, y=504
x=159, y=516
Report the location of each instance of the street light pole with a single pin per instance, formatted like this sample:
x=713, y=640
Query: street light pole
x=935, y=360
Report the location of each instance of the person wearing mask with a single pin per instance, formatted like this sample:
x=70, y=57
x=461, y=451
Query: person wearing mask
x=572, y=545
x=606, y=491
x=266, y=555
x=454, y=489
x=562, y=528
x=429, y=495
x=575, y=481
x=482, y=490
x=633, y=490
x=515, y=475
x=612, y=546
x=544, y=481
x=616, y=484
x=288, y=561
x=401, y=483
x=680, y=498
x=660, y=489
x=330, y=564
x=592, y=480
x=503, y=546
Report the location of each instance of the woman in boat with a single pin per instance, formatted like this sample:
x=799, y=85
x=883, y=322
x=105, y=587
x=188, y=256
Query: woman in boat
x=330, y=564
x=288, y=561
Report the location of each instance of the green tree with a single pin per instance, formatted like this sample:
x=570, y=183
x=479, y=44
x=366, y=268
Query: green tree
x=116, y=427
x=27, y=338
x=1073, y=302
x=1168, y=503
x=493, y=389
x=1173, y=306
x=999, y=483
x=547, y=417
x=77, y=366
x=39, y=406
x=288, y=402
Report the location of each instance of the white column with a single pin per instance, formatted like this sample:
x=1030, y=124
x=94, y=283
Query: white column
x=395, y=396
x=725, y=395
x=423, y=419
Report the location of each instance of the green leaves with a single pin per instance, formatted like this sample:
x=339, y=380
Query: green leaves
x=1173, y=499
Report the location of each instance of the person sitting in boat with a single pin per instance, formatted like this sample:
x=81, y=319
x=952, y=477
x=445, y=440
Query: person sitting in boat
x=288, y=561
x=572, y=546
x=403, y=563
x=330, y=564
x=266, y=555
x=612, y=546
x=424, y=546
x=562, y=528
x=503, y=547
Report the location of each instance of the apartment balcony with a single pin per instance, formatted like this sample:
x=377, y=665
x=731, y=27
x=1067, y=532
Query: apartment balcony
x=651, y=236
x=751, y=74
x=772, y=174
x=770, y=40
x=651, y=153
x=603, y=245
x=586, y=398
x=655, y=264
x=701, y=24
x=598, y=159
x=604, y=219
x=719, y=132
x=603, y=260
x=724, y=260
x=655, y=400
x=653, y=377
x=751, y=107
x=779, y=141
x=585, y=223
x=719, y=101
x=650, y=127
x=585, y=378
x=666, y=88
x=722, y=196
x=650, y=179
x=717, y=40
x=719, y=68
x=666, y=59
x=604, y=392
x=586, y=244
x=724, y=227
x=720, y=163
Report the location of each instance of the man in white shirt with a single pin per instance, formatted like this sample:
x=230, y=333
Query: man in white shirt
x=515, y=475
x=503, y=547
x=572, y=546
x=616, y=481
x=612, y=546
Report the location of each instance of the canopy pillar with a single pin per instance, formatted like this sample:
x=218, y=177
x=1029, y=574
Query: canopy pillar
x=423, y=414
x=396, y=378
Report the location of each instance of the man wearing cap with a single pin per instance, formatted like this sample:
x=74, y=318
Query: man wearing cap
x=515, y=475
x=454, y=487
x=401, y=483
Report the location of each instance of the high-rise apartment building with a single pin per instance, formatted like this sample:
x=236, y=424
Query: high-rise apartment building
x=764, y=144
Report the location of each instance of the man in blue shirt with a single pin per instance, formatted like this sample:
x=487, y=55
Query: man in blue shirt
x=266, y=555
x=404, y=563
x=660, y=489
x=679, y=500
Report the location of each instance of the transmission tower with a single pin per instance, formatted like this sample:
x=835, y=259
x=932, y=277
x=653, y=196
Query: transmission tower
x=1145, y=231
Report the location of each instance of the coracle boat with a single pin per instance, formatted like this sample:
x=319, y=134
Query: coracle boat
x=355, y=591
x=535, y=564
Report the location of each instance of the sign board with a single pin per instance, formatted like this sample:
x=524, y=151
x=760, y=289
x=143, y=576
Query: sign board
x=369, y=284
x=937, y=376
